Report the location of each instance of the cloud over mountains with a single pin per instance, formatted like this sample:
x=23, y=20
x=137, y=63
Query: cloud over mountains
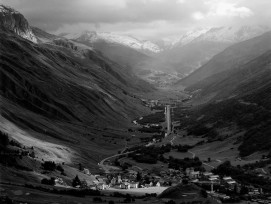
x=142, y=18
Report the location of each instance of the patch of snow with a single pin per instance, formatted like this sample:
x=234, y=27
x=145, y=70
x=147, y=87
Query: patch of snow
x=232, y=34
x=128, y=41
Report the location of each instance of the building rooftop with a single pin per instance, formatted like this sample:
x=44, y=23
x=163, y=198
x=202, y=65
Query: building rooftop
x=231, y=182
x=207, y=173
x=227, y=178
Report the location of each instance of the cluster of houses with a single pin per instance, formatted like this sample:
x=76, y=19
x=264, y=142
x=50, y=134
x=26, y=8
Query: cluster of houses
x=209, y=177
x=117, y=181
x=212, y=179
x=169, y=177
x=129, y=180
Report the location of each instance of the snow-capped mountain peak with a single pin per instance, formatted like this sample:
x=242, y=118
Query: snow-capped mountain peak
x=232, y=34
x=92, y=37
x=190, y=36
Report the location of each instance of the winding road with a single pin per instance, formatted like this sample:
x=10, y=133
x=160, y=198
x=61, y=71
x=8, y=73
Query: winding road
x=106, y=168
x=193, y=154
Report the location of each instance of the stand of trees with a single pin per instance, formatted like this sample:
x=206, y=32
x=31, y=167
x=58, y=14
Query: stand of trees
x=149, y=154
x=48, y=181
x=184, y=163
x=241, y=175
x=52, y=166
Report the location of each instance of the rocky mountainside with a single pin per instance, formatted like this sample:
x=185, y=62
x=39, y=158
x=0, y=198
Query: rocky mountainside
x=14, y=21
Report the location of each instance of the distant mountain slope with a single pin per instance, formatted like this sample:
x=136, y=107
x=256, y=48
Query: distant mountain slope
x=125, y=56
x=93, y=37
x=247, y=79
x=232, y=34
x=238, y=97
x=194, y=49
x=43, y=36
x=232, y=57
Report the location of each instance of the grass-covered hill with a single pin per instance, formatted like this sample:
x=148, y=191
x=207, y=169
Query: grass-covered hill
x=63, y=98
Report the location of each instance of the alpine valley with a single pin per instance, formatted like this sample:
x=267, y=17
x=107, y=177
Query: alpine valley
x=90, y=116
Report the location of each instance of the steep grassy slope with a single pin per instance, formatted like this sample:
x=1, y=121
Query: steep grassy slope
x=237, y=98
x=232, y=57
x=248, y=79
x=187, y=58
x=52, y=81
x=125, y=56
x=248, y=124
x=68, y=102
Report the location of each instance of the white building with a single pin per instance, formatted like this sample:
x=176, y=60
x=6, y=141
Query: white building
x=133, y=185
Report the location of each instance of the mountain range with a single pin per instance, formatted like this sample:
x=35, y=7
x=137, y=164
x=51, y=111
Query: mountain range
x=166, y=62
x=93, y=38
x=194, y=49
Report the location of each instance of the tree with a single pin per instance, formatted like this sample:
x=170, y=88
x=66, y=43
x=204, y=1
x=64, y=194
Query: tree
x=32, y=154
x=59, y=168
x=204, y=193
x=4, y=141
x=76, y=181
x=235, y=190
x=80, y=167
x=49, y=165
x=97, y=199
x=244, y=190
x=9, y=201
x=84, y=184
x=138, y=177
x=48, y=181
x=171, y=202
x=185, y=181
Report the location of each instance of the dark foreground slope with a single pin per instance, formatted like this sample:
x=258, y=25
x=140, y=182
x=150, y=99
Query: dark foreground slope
x=64, y=99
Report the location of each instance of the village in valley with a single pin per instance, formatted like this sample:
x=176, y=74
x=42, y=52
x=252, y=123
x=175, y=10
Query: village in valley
x=158, y=156
x=125, y=172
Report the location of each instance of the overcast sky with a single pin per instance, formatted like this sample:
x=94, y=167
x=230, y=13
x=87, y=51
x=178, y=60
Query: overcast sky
x=141, y=18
